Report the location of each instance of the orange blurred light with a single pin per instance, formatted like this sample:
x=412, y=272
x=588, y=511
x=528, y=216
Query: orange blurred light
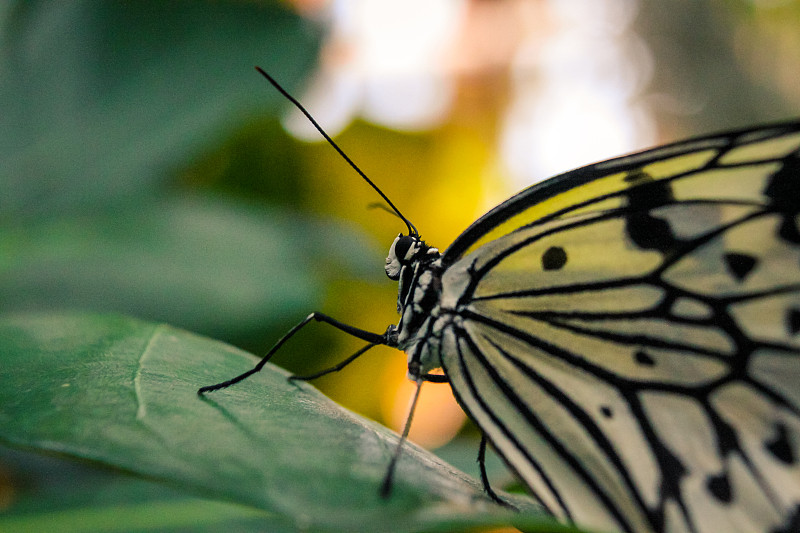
x=438, y=417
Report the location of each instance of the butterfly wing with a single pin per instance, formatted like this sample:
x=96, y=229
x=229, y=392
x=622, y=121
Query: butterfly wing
x=626, y=335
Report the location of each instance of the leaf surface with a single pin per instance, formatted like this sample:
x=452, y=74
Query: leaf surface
x=122, y=392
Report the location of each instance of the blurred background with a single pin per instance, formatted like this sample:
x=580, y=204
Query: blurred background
x=147, y=169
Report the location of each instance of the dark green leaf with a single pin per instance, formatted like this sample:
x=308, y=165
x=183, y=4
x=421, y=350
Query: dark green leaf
x=122, y=392
x=49, y=493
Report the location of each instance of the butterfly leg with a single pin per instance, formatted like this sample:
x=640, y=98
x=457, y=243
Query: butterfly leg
x=373, y=338
x=334, y=368
x=485, y=478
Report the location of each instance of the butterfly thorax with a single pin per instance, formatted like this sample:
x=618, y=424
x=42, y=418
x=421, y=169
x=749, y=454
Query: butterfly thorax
x=417, y=268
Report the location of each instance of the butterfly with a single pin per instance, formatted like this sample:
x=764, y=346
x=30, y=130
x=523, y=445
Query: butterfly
x=625, y=335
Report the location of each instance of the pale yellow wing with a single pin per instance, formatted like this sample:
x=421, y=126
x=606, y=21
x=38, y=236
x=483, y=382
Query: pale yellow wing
x=627, y=336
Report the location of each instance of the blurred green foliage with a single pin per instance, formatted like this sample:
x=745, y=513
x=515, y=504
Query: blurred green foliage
x=104, y=102
x=720, y=64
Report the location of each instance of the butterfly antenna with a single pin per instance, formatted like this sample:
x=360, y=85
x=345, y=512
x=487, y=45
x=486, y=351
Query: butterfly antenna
x=386, y=486
x=412, y=230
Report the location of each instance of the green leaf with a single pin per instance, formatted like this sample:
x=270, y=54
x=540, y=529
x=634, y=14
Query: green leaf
x=197, y=514
x=101, y=100
x=122, y=392
x=54, y=493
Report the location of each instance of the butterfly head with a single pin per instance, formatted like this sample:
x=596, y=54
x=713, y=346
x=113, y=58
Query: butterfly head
x=403, y=252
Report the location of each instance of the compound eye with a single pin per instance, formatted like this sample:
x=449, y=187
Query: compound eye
x=402, y=246
x=392, y=262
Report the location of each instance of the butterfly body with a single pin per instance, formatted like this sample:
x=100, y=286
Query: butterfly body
x=626, y=335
